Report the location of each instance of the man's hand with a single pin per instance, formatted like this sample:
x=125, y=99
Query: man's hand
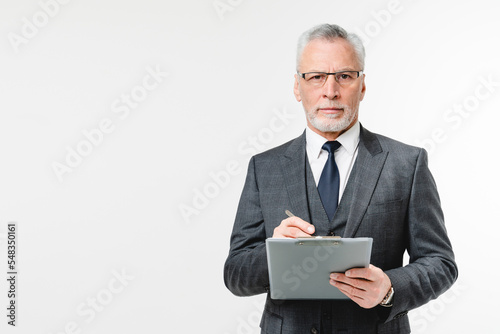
x=293, y=227
x=365, y=286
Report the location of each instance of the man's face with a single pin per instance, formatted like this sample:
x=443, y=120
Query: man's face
x=331, y=108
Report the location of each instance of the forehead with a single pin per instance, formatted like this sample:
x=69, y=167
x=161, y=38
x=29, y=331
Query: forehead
x=328, y=55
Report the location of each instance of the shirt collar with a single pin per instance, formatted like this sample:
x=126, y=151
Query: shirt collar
x=348, y=139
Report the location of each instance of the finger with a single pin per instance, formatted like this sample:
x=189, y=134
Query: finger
x=370, y=273
x=300, y=224
x=349, y=290
x=341, y=289
x=356, y=295
x=360, y=284
x=358, y=273
x=293, y=227
x=284, y=231
x=294, y=232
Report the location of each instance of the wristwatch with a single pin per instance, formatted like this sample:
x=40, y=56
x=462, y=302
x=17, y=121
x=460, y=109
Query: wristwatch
x=387, y=301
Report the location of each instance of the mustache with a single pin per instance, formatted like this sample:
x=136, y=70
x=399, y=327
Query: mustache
x=330, y=105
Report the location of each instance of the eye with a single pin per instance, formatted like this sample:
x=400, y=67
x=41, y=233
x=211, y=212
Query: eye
x=344, y=76
x=315, y=77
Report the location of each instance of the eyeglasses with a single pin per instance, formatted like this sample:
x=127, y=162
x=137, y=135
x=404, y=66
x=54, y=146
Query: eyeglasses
x=318, y=79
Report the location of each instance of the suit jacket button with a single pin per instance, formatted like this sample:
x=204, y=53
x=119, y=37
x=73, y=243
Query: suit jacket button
x=314, y=331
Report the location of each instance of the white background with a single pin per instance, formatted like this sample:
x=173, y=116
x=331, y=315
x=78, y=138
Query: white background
x=227, y=95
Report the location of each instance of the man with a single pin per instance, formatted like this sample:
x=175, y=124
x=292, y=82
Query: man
x=375, y=187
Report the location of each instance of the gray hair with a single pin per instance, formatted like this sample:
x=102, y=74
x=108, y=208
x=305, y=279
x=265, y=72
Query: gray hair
x=330, y=32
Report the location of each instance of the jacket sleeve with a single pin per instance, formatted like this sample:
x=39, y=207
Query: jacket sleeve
x=245, y=270
x=432, y=268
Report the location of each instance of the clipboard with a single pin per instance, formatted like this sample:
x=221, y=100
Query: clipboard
x=300, y=268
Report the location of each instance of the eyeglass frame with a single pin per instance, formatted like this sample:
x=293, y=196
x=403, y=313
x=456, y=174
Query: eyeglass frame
x=303, y=75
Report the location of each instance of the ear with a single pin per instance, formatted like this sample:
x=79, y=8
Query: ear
x=296, y=90
x=363, y=88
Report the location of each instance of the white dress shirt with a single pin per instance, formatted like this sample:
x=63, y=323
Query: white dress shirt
x=345, y=155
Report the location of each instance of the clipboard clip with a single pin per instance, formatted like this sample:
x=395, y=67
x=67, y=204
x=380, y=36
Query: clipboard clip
x=333, y=240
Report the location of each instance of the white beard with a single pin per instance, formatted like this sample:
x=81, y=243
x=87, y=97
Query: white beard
x=331, y=123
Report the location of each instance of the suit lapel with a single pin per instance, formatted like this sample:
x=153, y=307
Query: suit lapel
x=369, y=164
x=293, y=163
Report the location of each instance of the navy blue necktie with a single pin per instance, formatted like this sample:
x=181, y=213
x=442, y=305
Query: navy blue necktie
x=328, y=186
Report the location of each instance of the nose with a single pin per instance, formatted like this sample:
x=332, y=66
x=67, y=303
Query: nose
x=331, y=88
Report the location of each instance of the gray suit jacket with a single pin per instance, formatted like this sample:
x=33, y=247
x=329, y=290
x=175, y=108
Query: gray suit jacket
x=392, y=198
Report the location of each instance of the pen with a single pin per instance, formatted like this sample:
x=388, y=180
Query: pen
x=289, y=214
